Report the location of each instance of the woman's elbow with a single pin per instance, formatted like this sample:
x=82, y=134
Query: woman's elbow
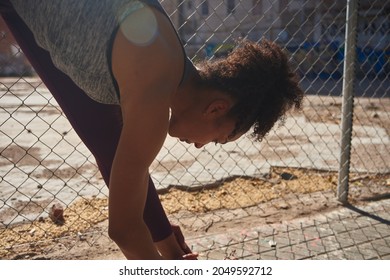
x=115, y=233
x=123, y=233
x=120, y=235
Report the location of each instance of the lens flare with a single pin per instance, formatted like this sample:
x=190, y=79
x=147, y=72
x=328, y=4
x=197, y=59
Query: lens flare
x=140, y=27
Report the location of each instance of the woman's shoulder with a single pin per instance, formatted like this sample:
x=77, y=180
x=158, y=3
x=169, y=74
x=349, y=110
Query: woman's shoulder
x=146, y=47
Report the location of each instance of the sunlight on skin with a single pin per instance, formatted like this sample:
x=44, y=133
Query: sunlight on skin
x=140, y=27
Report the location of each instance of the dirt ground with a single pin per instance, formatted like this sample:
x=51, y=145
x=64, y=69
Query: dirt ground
x=367, y=111
x=283, y=194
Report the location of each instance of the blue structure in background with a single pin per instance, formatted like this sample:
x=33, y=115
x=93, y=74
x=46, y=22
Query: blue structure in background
x=370, y=62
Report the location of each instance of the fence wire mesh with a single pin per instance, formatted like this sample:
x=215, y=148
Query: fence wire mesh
x=292, y=172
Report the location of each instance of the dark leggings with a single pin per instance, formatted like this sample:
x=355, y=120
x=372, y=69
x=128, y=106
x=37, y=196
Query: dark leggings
x=98, y=125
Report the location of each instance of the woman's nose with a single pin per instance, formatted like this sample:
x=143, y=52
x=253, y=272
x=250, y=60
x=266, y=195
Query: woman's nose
x=198, y=146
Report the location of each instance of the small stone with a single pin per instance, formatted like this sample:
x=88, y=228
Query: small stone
x=272, y=243
x=57, y=214
x=81, y=236
x=375, y=115
x=282, y=205
x=288, y=176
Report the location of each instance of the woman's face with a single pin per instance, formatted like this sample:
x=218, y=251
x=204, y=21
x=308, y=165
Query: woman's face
x=203, y=117
x=202, y=130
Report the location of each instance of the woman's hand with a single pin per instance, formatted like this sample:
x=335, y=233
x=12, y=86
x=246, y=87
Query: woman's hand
x=174, y=246
x=180, y=239
x=191, y=256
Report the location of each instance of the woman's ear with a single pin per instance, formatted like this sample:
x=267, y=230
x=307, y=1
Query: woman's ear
x=217, y=108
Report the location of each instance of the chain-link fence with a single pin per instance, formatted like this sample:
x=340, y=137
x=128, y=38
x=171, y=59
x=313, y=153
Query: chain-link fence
x=295, y=170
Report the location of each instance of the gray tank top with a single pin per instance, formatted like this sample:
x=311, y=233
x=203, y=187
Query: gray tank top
x=79, y=34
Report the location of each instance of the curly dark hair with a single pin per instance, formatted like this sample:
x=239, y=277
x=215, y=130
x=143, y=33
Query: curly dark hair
x=259, y=78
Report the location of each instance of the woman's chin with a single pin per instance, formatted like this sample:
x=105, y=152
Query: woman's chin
x=172, y=132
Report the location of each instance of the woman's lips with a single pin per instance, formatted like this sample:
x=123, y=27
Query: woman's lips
x=185, y=140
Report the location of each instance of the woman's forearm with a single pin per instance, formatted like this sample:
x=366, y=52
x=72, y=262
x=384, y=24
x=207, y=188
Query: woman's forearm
x=155, y=216
x=135, y=242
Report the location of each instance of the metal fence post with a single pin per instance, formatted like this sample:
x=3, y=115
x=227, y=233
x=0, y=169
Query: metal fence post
x=347, y=105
